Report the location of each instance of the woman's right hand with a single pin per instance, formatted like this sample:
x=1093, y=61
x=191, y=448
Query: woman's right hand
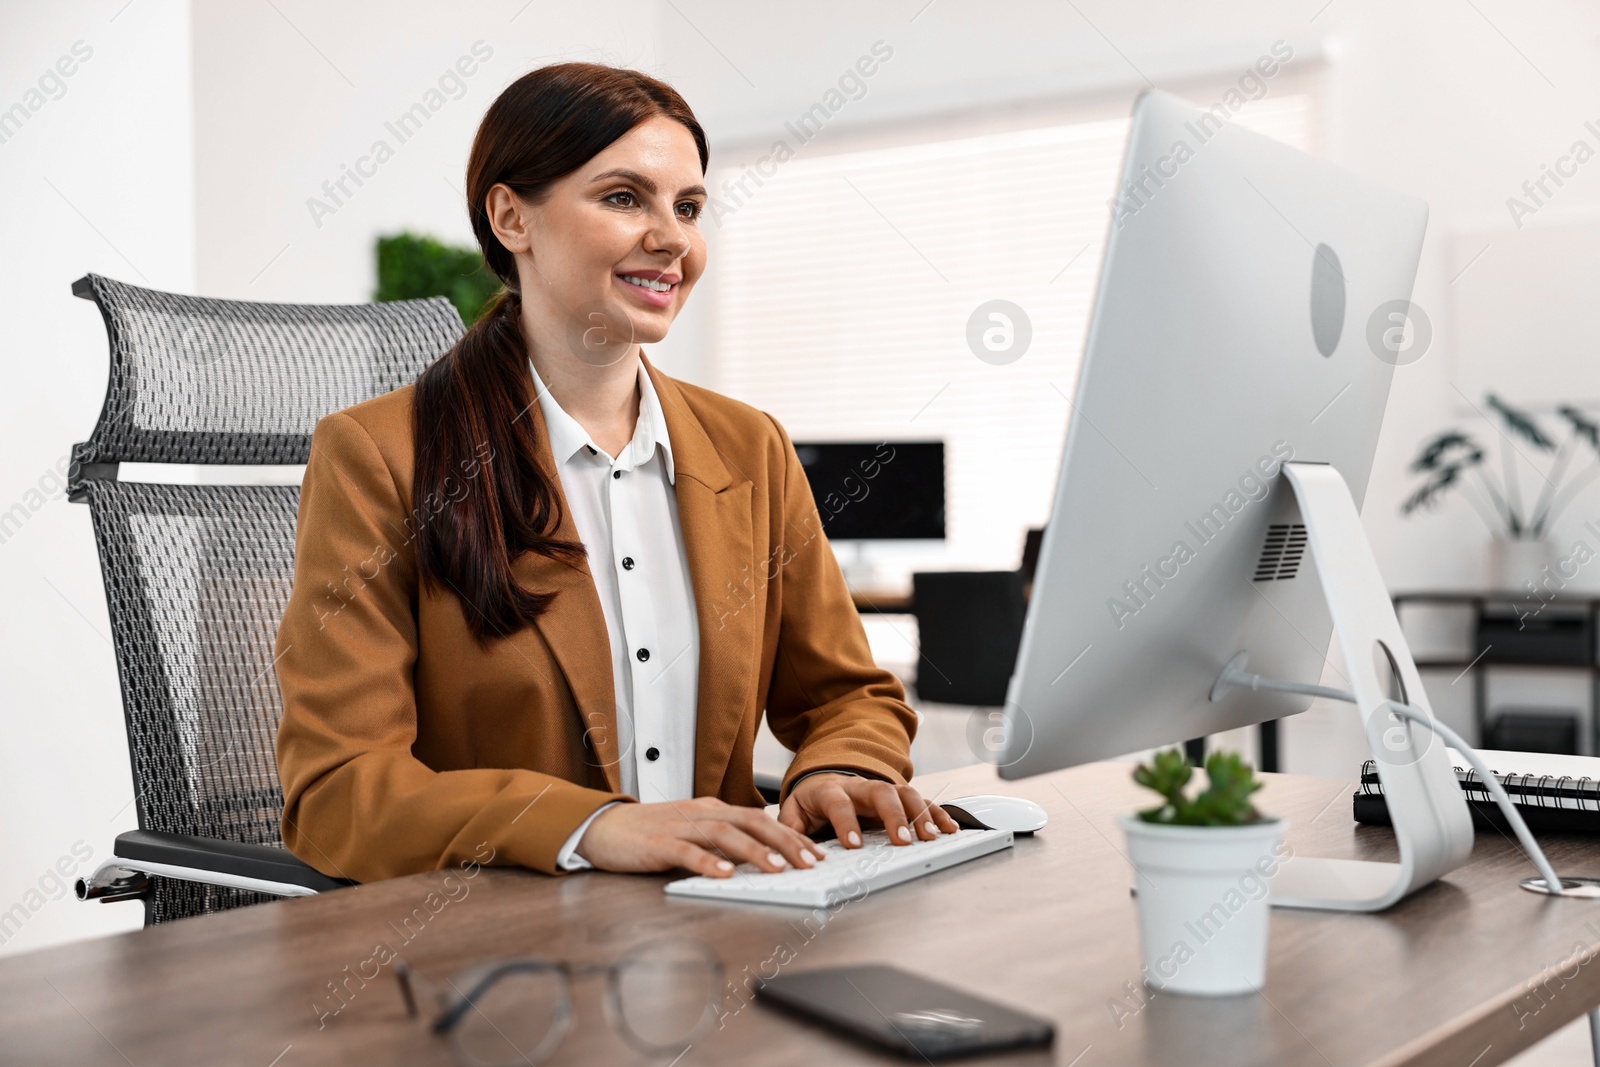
x=704, y=835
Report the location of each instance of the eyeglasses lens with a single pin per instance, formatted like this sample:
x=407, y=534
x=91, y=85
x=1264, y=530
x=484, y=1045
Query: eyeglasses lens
x=520, y=1019
x=667, y=994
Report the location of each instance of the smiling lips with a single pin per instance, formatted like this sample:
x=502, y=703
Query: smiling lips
x=651, y=286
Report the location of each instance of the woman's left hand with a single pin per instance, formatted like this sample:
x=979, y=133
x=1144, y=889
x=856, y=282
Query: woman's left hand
x=840, y=799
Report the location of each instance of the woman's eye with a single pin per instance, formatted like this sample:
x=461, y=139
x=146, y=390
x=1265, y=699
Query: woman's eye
x=622, y=193
x=693, y=209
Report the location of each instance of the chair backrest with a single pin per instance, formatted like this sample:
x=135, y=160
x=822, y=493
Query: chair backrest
x=969, y=626
x=197, y=576
x=1031, y=543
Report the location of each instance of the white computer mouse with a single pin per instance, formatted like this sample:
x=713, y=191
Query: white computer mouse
x=988, y=811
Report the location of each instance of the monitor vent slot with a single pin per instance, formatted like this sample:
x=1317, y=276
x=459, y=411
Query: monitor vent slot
x=1281, y=553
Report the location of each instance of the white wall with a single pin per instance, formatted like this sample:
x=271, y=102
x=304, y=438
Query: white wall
x=100, y=179
x=286, y=100
x=205, y=190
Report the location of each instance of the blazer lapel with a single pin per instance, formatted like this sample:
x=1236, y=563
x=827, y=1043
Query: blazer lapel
x=714, y=507
x=574, y=627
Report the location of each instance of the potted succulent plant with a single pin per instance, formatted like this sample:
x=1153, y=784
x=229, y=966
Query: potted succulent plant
x=1202, y=864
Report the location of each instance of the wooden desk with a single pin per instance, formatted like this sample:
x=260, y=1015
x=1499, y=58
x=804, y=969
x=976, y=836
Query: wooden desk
x=1444, y=978
x=882, y=601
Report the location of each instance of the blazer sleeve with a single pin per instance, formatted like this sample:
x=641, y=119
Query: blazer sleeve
x=357, y=803
x=828, y=701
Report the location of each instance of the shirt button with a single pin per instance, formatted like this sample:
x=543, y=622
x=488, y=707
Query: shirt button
x=643, y=654
x=652, y=754
x=616, y=474
x=627, y=563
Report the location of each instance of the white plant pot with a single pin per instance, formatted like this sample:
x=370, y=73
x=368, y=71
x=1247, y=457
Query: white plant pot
x=1515, y=563
x=1203, y=910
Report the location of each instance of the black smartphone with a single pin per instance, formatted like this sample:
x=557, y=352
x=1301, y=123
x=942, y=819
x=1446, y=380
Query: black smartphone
x=905, y=1012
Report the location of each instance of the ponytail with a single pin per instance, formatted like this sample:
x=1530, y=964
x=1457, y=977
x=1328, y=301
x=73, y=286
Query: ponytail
x=474, y=426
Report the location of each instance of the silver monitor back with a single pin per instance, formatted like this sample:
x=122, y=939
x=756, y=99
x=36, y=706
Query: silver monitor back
x=1229, y=334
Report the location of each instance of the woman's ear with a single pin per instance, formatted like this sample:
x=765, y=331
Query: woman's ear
x=509, y=218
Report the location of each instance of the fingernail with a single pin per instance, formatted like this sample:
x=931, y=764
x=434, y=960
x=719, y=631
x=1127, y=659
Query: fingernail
x=932, y=829
x=724, y=865
x=807, y=858
x=776, y=860
x=904, y=833
x=854, y=838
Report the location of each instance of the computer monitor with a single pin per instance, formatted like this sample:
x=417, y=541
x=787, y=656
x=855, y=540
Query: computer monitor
x=1231, y=331
x=1206, y=515
x=876, y=490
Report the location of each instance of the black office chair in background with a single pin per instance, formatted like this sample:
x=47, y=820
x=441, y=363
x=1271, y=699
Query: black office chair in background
x=197, y=576
x=969, y=625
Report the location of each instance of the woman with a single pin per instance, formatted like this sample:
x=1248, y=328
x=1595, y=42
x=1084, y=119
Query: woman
x=542, y=597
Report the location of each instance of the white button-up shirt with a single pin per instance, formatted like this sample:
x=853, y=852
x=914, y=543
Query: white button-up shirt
x=627, y=518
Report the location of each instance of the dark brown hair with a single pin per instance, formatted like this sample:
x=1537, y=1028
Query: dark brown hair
x=472, y=405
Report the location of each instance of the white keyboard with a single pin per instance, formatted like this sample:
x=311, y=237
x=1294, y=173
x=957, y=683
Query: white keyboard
x=846, y=873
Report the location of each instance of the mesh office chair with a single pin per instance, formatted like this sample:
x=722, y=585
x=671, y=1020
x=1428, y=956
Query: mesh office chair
x=197, y=576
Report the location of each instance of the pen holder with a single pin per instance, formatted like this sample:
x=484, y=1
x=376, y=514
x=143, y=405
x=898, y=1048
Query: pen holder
x=1202, y=899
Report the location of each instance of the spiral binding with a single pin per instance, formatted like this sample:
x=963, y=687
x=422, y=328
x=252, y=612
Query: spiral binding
x=1547, y=791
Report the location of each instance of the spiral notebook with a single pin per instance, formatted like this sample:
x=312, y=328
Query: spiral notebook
x=1554, y=793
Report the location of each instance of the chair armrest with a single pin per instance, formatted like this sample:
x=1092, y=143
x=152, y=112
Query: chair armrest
x=205, y=854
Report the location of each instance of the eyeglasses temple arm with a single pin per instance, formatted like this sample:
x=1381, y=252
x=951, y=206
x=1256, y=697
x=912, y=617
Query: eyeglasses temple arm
x=403, y=973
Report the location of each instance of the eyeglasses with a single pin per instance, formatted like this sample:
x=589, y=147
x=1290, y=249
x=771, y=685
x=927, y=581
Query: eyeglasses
x=661, y=997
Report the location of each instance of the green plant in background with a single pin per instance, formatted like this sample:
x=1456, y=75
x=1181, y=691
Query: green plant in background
x=1446, y=458
x=1225, y=801
x=411, y=266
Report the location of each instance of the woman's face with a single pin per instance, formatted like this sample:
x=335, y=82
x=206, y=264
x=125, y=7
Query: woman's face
x=615, y=247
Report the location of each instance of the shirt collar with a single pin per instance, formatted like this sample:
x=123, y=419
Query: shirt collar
x=567, y=436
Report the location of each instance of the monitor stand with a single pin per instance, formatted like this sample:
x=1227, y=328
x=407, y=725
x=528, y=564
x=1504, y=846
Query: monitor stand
x=858, y=567
x=1432, y=824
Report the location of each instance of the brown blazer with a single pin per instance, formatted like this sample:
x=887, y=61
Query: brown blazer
x=405, y=746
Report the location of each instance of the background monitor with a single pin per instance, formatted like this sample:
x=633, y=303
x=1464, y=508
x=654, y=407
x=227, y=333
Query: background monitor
x=878, y=490
x=1230, y=333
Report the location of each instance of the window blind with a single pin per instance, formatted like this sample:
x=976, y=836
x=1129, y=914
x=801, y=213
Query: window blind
x=843, y=286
